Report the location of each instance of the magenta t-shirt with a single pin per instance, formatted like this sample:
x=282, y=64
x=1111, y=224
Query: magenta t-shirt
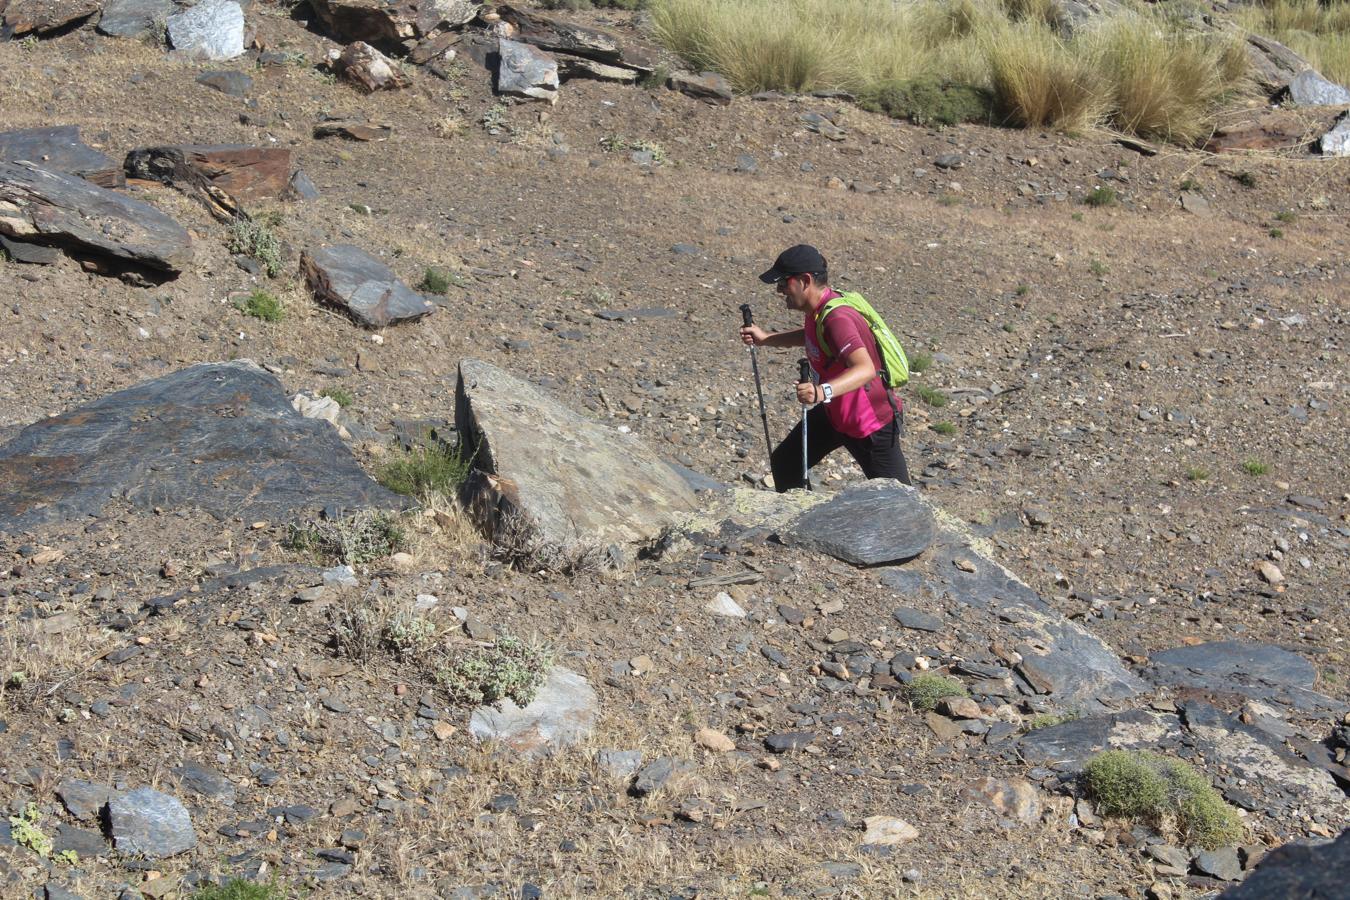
x=859, y=412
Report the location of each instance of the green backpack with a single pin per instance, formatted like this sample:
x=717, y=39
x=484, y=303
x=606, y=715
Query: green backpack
x=895, y=365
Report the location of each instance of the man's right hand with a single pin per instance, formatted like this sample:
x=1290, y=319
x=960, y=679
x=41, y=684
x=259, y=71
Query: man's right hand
x=753, y=335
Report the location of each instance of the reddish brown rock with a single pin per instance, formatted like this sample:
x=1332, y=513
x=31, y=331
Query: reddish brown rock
x=20, y=17
x=1273, y=130
x=239, y=173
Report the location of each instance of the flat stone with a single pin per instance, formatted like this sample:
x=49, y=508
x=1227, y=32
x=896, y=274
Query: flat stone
x=1194, y=202
x=353, y=131
x=22, y=17
x=83, y=799
x=145, y=445
x=1222, y=864
x=53, y=891
x=1307, y=870
x=1309, y=88
x=1069, y=744
x=32, y=254
x=709, y=87
x=1259, y=671
x=653, y=776
x=134, y=18
x=888, y=831
x=150, y=824
x=349, y=278
x=562, y=713
x=880, y=521
x=40, y=206
x=236, y=84
x=573, y=485
x=58, y=148
x=787, y=741
x=387, y=25
x=85, y=842
x=242, y=173
x=526, y=71
x=723, y=605
x=206, y=782
x=1015, y=799
x=211, y=30
x=916, y=620
x=620, y=763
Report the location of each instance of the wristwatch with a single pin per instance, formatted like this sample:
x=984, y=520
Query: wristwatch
x=827, y=391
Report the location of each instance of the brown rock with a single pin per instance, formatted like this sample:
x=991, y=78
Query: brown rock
x=1271, y=130
x=1014, y=799
x=714, y=740
x=220, y=176
x=40, y=16
x=888, y=831
x=368, y=69
x=960, y=708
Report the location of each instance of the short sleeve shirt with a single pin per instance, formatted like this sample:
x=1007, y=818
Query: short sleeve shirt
x=859, y=412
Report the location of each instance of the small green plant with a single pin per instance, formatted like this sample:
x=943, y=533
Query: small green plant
x=1163, y=793
x=494, y=117
x=932, y=396
x=930, y=101
x=262, y=305
x=1197, y=473
x=435, y=281
x=1287, y=216
x=511, y=669
x=340, y=396
x=943, y=428
x=920, y=362
x=355, y=541
x=1277, y=233
x=948, y=200
x=1099, y=268
x=655, y=79
x=1189, y=184
x=1049, y=720
x=240, y=889
x=643, y=145
x=1255, y=466
x=1008, y=327
x=1077, y=217
x=431, y=468
x=409, y=634
x=1100, y=196
x=25, y=831
x=1245, y=178
x=255, y=238
x=29, y=43
x=613, y=143
x=361, y=629
x=1022, y=290
x=925, y=690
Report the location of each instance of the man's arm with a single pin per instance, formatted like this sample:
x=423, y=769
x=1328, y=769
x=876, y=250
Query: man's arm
x=753, y=334
x=859, y=372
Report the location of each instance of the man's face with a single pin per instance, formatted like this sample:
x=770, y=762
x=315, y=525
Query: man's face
x=793, y=288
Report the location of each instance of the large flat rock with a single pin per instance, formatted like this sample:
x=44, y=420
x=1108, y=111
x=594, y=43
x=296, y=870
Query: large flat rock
x=387, y=24
x=351, y=279
x=58, y=148
x=1248, y=669
x=217, y=436
x=562, y=713
x=239, y=173
x=211, y=30
x=40, y=206
x=568, y=481
x=20, y=17
x=878, y=522
x=151, y=824
x=1070, y=744
x=557, y=35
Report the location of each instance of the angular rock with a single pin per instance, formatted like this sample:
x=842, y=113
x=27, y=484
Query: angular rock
x=553, y=479
x=653, y=776
x=1222, y=864
x=562, y=713
x=211, y=30
x=1276, y=129
x=577, y=67
x=235, y=84
x=351, y=279
x=206, y=782
x=134, y=18
x=1309, y=88
x=888, y=831
x=433, y=48
x=1272, y=65
x=1299, y=870
x=20, y=17
x=786, y=741
x=83, y=799
x=527, y=71
x=388, y=24
x=367, y=68
x=578, y=40
x=1259, y=671
x=620, y=763
x=880, y=521
x=83, y=842
x=1195, y=203
x=301, y=187
x=354, y=131
x=707, y=86
x=43, y=207
x=916, y=620
x=1015, y=799
x=150, y=824
x=59, y=149
x=33, y=254
x=220, y=176
x=723, y=605
x=1069, y=744
x=1336, y=142
x=217, y=436
x=714, y=740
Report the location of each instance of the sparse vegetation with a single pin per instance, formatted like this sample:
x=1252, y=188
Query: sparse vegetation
x=263, y=305
x=511, y=669
x=25, y=831
x=930, y=101
x=943, y=428
x=1244, y=178
x=1197, y=473
x=1100, y=196
x=932, y=396
x=1049, y=720
x=1254, y=466
x=255, y=238
x=241, y=889
x=431, y=467
x=1287, y=216
x=494, y=118
x=617, y=143
x=435, y=281
x=1022, y=290
x=1276, y=233
x=1164, y=793
x=355, y=541
x=925, y=690
x=920, y=362
x=1099, y=268
x=341, y=396
x=361, y=629
x=1189, y=184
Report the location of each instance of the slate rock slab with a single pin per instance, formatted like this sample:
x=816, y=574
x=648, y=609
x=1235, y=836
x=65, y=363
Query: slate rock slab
x=217, y=436
x=917, y=620
x=569, y=482
x=211, y=30
x=205, y=782
x=1068, y=745
x=59, y=149
x=879, y=522
x=22, y=17
x=349, y=278
x=241, y=173
x=1273, y=65
x=557, y=35
x=387, y=25
x=1299, y=872
x=44, y=207
x=1309, y=88
x=150, y=824
x=562, y=713
x=526, y=71
x=83, y=799
x=35, y=254
x=1259, y=671
x=709, y=87
x=134, y=18
x=235, y=84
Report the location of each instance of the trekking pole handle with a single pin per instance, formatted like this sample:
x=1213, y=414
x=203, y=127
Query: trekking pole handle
x=746, y=315
x=804, y=369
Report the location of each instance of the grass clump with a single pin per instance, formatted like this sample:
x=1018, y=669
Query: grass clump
x=943, y=428
x=431, y=468
x=1040, y=81
x=341, y=396
x=1287, y=216
x=1049, y=720
x=1245, y=178
x=1099, y=268
x=435, y=281
x=932, y=396
x=920, y=362
x=354, y=541
x=1197, y=473
x=263, y=305
x=1163, y=793
x=930, y=101
x=1100, y=196
x=1255, y=466
x=511, y=669
x=361, y=630
x=255, y=238
x=240, y=889
x=927, y=688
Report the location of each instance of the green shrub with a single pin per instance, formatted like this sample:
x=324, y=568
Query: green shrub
x=1277, y=232
x=432, y=468
x=932, y=396
x=263, y=305
x=1196, y=473
x=361, y=629
x=1245, y=178
x=1189, y=184
x=340, y=396
x=355, y=541
x=1163, y=793
x=1287, y=216
x=943, y=428
x=1100, y=196
x=920, y=362
x=240, y=889
x=435, y=281
x=1049, y=720
x=1099, y=268
x=511, y=669
x=255, y=238
x=930, y=101
x=1022, y=290
x=927, y=688
x=1255, y=466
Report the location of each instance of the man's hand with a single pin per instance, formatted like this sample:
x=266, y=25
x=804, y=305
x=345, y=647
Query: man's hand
x=753, y=335
x=807, y=393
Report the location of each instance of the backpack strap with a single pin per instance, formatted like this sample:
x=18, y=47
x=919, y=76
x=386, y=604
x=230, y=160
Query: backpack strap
x=826, y=308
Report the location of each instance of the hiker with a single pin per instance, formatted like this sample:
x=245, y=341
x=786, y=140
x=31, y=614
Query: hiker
x=853, y=406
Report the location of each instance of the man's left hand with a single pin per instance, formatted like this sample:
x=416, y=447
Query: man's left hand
x=807, y=393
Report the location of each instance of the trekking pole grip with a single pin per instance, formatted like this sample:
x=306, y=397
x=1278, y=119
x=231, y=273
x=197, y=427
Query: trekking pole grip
x=804, y=369
x=746, y=315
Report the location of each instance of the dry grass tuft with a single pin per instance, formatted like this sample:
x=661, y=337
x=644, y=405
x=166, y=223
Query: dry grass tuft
x=1040, y=81
x=39, y=656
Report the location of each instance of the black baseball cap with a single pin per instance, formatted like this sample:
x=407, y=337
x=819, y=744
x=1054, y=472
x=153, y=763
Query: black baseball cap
x=798, y=260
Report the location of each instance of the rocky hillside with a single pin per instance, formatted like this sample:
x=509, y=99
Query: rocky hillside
x=383, y=508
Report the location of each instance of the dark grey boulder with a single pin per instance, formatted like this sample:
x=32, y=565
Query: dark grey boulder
x=917, y=620
x=150, y=824
x=1272, y=65
x=84, y=842
x=40, y=206
x=881, y=521
x=83, y=799
x=134, y=18
x=33, y=254
x=1222, y=864
x=222, y=437
x=597, y=44
x=1309, y=88
x=527, y=71
x=59, y=149
x=1258, y=671
x=1299, y=872
x=709, y=87
x=1069, y=745
x=387, y=25
x=351, y=279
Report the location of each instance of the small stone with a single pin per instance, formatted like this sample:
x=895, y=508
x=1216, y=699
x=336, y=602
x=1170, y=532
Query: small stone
x=888, y=831
x=653, y=776
x=714, y=740
x=620, y=763
x=1270, y=573
x=960, y=708
x=723, y=605
x=916, y=620
x=442, y=730
x=786, y=741
x=1222, y=864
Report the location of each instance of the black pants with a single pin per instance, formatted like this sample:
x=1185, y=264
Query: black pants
x=878, y=454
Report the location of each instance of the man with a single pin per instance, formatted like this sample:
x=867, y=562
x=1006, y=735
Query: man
x=854, y=409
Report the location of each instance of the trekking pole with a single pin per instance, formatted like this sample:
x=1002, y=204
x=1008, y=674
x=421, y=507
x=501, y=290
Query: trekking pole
x=804, y=369
x=746, y=317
